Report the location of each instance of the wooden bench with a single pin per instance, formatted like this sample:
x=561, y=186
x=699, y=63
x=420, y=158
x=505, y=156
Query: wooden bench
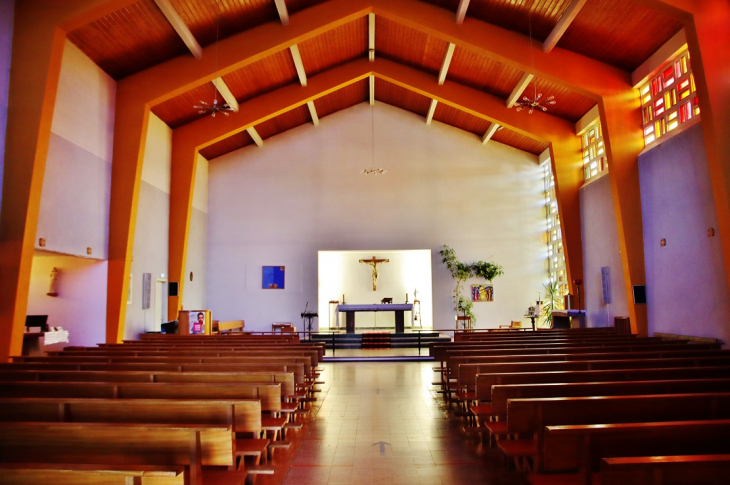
x=243, y=415
x=191, y=446
x=573, y=452
x=231, y=326
x=268, y=394
x=529, y=417
x=666, y=470
x=74, y=474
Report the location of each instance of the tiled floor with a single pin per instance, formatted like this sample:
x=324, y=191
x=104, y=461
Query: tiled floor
x=383, y=422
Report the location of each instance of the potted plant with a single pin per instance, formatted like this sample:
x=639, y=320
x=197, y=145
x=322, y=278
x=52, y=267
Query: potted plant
x=461, y=272
x=553, y=301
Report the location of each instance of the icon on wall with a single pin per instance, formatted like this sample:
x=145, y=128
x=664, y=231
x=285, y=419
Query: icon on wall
x=482, y=292
x=273, y=277
x=198, y=323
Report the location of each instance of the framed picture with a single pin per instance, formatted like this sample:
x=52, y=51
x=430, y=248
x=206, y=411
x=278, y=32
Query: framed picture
x=482, y=292
x=199, y=322
x=273, y=278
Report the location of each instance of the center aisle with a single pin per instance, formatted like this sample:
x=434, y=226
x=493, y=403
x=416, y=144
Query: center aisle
x=383, y=422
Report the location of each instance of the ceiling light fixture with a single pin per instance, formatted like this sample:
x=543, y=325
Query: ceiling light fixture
x=214, y=108
x=373, y=171
x=537, y=100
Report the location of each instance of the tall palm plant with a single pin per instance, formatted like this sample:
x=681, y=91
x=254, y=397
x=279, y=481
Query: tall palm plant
x=553, y=301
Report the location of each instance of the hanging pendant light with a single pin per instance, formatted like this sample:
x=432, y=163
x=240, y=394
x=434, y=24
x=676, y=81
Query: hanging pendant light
x=537, y=100
x=215, y=107
x=371, y=170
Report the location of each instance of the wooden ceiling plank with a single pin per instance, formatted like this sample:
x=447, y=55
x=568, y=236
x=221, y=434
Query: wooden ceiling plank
x=490, y=133
x=228, y=96
x=182, y=30
x=447, y=62
x=372, y=90
x=461, y=11
x=565, y=20
x=519, y=89
x=283, y=11
x=431, y=111
x=371, y=37
x=298, y=64
x=255, y=136
x=313, y=113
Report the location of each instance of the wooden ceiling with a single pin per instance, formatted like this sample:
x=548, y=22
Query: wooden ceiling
x=620, y=33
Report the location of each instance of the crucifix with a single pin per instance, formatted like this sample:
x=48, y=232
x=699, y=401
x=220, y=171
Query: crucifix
x=374, y=263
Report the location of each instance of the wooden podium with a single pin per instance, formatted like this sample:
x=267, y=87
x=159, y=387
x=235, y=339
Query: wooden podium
x=187, y=318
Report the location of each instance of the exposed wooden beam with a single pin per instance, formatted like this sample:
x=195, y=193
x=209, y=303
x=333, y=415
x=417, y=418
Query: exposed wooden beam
x=431, y=111
x=461, y=11
x=255, y=135
x=313, y=112
x=228, y=96
x=519, y=89
x=650, y=67
x=371, y=37
x=372, y=90
x=182, y=30
x=298, y=64
x=446, y=63
x=490, y=133
x=565, y=20
x=283, y=12
x=582, y=125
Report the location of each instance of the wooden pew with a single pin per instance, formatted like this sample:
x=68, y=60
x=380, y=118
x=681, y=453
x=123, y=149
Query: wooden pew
x=268, y=394
x=486, y=381
x=296, y=369
x=231, y=326
x=573, y=452
x=243, y=415
x=74, y=474
x=666, y=470
x=466, y=377
x=529, y=417
x=181, y=360
x=313, y=354
x=191, y=446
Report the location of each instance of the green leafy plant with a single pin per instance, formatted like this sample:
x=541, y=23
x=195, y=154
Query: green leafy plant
x=553, y=301
x=461, y=272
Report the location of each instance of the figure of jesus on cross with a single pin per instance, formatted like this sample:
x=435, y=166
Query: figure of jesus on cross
x=374, y=263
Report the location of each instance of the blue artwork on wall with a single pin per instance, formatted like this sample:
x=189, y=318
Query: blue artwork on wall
x=273, y=278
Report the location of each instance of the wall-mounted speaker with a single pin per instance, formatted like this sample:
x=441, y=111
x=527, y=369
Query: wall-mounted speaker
x=640, y=294
x=606, y=284
x=146, y=290
x=172, y=288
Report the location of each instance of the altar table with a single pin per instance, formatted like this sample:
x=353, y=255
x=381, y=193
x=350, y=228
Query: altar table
x=398, y=308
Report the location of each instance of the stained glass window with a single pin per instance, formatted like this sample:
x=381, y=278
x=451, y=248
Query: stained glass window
x=595, y=160
x=668, y=100
x=553, y=233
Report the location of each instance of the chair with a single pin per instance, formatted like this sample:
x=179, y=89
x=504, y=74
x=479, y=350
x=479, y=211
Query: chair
x=283, y=327
x=513, y=324
x=465, y=323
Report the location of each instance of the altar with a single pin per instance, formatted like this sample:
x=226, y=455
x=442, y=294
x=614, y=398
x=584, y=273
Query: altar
x=398, y=308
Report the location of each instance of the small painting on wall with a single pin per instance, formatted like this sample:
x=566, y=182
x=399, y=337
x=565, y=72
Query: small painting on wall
x=273, y=278
x=482, y=292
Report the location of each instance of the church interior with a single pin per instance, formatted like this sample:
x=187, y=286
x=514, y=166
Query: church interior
x=294, y=173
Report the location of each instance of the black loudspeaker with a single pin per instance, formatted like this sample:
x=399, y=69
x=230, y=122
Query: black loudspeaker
x=640, y=294
x=172, y=288
x=606, y=284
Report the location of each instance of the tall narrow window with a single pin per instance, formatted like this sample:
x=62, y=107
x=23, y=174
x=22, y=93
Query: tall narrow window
x=668, y=100
x=595, y=160
x=554, y=235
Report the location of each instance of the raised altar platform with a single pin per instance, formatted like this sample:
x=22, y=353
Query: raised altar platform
x=398, y=308
x=397, y=340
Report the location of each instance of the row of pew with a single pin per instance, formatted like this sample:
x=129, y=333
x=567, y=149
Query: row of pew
x=590, y=406
x=166, y=409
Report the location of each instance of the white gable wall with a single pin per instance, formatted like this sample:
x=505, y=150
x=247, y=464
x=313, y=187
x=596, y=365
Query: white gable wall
x=303, y=192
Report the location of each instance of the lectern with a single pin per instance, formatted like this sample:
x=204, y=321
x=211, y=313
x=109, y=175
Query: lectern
x=307, y=317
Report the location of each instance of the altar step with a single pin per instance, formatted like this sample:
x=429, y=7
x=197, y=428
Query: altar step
x=397, y=340
x=375, y=340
